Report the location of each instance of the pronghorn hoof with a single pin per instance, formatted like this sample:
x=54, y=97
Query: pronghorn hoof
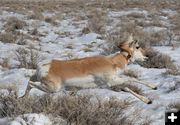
x=155, y=88
x=149, y=102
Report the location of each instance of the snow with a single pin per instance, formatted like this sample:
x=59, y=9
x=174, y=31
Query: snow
x=154, y=29
x=126, y=12
x=27, y=119
x=169, y=12
x=174, y=54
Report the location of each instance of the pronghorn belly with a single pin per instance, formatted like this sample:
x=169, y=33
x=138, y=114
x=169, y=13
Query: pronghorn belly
x=116, y=80
x=84, y=82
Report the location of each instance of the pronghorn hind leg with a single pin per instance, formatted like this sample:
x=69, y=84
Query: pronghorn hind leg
x=142, y=98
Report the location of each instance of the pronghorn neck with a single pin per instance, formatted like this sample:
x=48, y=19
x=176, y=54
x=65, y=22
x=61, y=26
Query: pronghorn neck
x=125, y=54
x=121, y=59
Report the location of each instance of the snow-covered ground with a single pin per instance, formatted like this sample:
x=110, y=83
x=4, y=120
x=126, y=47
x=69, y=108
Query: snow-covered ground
x=76, y=45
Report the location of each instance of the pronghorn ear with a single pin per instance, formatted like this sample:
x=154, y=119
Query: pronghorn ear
x=130, y=38
x=136, y=41
x=120, y=45
x=132, y=44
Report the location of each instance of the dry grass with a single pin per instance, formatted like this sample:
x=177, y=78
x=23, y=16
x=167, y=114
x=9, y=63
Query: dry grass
x=13, y=24
x=145, y=38
x=131, y=73
x=36, y=15
x=86, y=30
x=5, y=63
x=11, y=28
x=157, y=60
x=136, y=15
x=97, y=21
x=8, y=37
x=175, y=20
x=27, y=58
x=172, y=71
x=78, y=110
x=63, y=5
x=175, y=105
x=87, y=49
x=50, y=20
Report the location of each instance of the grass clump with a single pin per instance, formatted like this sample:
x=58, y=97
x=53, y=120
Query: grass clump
x=13, y=24
x=28, y=58
x=157, y=60
x=78, y=110
x=131, y=73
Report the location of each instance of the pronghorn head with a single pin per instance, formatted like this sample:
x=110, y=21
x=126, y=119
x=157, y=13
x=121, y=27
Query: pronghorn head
x=135, y=52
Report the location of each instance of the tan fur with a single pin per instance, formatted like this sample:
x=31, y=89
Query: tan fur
x=52, y=77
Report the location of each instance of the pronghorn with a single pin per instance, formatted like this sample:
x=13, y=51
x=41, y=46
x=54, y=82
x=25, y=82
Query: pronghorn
x=52, y=76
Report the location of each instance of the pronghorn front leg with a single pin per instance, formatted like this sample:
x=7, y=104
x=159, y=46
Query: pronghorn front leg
x=145, y=83
x=116, y=80
x=126, y=79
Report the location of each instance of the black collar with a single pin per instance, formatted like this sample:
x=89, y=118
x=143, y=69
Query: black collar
x=128, y=55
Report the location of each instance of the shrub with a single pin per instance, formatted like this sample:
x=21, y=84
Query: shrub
x=13, y=24
x=131, y=73
x=27, y=58
x=8, y=37
x=50, y=20
x=36, y=15
x=136, y=15
x=157, y=60
x=175, y=105
x=172, y=71
x=97, y=21
x=5, y=63
x=78, y=110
